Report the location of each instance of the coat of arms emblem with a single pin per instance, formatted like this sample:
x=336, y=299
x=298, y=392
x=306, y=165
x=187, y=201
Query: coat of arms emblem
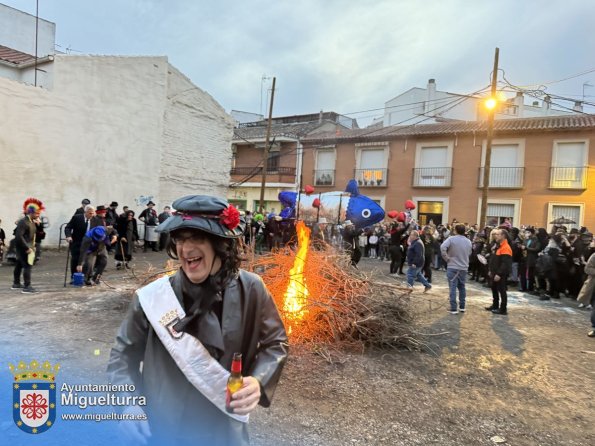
x=34, y=396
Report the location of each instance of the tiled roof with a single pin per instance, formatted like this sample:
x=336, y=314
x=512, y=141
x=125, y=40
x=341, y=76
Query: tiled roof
x=294, y=130
x=14, y=56
x=525, y=125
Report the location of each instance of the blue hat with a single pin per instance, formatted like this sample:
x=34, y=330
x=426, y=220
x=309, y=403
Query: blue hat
x=205, y=213
x=97, y=233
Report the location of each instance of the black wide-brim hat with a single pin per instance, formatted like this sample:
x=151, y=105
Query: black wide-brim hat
x=205, y=213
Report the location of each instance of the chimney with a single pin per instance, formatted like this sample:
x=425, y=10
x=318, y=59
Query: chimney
x=320, y=116
x=519, y=102
x=578, y=106
x=431, y=97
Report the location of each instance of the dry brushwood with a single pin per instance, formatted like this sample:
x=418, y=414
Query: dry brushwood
x=344, y=307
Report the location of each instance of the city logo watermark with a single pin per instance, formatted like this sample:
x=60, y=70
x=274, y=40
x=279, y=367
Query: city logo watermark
x=34, y=396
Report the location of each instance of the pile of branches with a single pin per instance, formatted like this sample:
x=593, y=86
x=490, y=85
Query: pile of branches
x=345, y=307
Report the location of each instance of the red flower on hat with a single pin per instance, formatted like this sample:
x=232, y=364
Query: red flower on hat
x=230, y=217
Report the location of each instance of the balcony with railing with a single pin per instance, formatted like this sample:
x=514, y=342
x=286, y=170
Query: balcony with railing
x=274, y=174
x=504, y=177
x=371, y=177
x=324, y=177
x=568, y=177
x=432, y=177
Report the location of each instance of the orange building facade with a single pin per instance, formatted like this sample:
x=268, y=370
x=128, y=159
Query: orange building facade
x=541, y=169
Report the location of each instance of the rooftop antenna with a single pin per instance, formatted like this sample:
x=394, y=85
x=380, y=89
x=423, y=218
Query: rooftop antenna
x=586, y=84
x=36, y=30
x=263, y=79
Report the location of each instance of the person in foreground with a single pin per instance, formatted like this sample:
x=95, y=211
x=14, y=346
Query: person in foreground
x=186, y=328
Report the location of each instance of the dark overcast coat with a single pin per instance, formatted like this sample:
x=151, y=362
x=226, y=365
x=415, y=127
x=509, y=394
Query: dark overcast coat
x=177, y=412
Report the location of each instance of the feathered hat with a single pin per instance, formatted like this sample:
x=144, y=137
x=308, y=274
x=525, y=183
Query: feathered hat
x=32, y=205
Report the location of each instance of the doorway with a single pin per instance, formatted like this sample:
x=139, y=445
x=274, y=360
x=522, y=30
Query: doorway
x=430, y=212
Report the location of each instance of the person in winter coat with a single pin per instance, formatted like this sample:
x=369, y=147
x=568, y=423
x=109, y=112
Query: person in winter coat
x=181, y=332
x=500, y=266
x=586, y=295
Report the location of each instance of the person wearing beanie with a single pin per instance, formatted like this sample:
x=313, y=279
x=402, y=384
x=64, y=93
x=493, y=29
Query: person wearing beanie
x=186, y=328
x=25, y=245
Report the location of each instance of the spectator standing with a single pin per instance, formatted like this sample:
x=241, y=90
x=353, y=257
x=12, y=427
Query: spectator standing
x=149, y=217
x=586, y=295
x=455, y=251
x=500, y=265
x=25, y=245
x=86, y=202
x=164, y=236
x=128, y=232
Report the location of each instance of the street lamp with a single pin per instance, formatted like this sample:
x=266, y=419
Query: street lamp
x=490, y=104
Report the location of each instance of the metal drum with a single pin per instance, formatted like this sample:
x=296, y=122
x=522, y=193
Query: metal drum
x=150, y=234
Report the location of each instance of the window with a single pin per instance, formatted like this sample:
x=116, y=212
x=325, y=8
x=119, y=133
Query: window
x=569, y=165
x=433, y=165
x=498, y=213
x=273, y=161
x=565, y=212
x=500, y=210
x=324, y=175
x=506, y=165
x=371, y=171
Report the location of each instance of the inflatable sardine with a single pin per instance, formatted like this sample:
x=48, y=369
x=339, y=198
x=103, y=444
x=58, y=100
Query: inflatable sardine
x=336, y=207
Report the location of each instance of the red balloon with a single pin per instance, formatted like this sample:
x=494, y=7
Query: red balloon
x=316, y=203
x=402, y=217
x=409, y=205
x=308, y=189
x=392, y=214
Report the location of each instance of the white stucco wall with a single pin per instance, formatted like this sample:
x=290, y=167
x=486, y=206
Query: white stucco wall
x=102, y=134
x=197, y=138
x=17, y=31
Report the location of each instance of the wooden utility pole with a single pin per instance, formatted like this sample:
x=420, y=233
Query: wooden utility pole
x=488, y=154
x=265, y=156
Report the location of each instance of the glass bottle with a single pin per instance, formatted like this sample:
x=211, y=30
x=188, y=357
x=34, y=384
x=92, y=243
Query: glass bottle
x=234, y=382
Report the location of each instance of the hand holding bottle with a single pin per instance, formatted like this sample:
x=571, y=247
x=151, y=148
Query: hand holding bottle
x=246, y=399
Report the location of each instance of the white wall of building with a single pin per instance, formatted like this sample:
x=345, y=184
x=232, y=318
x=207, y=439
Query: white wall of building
x=111, y=129
x=197, y=136
x=17, y=31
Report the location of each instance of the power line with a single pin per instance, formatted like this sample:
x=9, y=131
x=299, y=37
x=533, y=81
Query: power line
x=453, y=103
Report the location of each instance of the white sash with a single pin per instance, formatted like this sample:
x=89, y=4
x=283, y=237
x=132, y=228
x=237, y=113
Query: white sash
x=163, y=310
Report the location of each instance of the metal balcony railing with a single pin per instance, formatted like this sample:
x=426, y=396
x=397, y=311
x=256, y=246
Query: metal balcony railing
x=432, y=177
x=324, y=177
x=568, y=177
x=504, y=177
x=371, y=177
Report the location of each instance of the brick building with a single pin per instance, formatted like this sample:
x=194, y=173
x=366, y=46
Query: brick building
x=285, y=156
x=541, y=168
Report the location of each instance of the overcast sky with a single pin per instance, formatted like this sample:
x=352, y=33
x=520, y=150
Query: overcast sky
x=344, y=56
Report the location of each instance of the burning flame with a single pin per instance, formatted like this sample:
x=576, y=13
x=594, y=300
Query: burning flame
x=297, y=292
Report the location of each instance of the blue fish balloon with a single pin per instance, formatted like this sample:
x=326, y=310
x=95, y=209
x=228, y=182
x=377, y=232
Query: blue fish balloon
x=335, y=207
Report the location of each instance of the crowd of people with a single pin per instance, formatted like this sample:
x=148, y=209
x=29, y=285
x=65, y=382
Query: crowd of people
x=92, y=233
x=545, y=264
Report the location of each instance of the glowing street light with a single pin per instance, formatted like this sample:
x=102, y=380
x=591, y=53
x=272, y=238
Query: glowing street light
x=491, y=103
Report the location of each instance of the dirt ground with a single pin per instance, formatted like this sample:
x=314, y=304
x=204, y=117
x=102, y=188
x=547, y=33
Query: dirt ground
x=523, y=379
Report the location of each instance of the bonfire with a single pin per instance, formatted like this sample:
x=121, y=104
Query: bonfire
x=323, y=300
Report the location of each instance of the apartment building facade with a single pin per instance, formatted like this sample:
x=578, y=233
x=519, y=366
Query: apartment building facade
x=284, y=163
x=541, y=169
